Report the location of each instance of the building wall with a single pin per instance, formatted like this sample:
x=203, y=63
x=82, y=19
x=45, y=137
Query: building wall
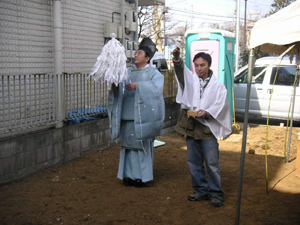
x=83, y=31
x=26, y=35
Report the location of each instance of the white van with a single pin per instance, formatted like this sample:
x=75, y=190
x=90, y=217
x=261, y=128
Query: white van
x=159, y=61
x=261, y=88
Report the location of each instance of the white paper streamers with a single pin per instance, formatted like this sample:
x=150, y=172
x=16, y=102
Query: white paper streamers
x=111, y=64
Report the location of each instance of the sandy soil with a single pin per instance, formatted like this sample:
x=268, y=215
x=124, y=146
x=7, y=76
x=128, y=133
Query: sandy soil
x=86, y=191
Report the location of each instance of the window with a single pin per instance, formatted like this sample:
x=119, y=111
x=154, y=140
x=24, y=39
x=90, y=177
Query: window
x=243, y=76
x=285, y=77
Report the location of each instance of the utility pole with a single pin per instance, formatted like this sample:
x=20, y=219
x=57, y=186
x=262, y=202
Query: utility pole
x=192, y=18
x=245, y=27
x=165, y=39
x=237, y=35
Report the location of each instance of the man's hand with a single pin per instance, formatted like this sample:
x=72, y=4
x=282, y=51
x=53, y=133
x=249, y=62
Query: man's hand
x=201, y=113
x=176, y=53
x=131, y=86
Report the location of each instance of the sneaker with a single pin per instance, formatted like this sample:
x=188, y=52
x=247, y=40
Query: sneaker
x=197, y=197
x=215, y=202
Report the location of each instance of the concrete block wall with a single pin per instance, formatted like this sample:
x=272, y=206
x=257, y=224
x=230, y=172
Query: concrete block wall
x=28, y=154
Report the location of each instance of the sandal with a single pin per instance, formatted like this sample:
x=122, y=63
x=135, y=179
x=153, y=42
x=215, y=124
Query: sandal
x=215, y=202
x=197, y=197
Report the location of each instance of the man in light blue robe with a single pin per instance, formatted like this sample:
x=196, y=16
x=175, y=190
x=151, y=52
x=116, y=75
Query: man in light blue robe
x=136, y=116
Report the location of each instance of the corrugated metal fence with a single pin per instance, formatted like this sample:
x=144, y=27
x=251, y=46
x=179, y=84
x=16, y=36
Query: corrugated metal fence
x=40, y=101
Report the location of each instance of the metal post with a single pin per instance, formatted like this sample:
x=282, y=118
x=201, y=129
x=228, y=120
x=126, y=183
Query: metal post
x=237, y=35
x=20, y=101
x=30, y=97
x=49, y=99
x=40, y=94
x=3, y=104
x=57, y=43
x=244, y=143
x=165, y=39
x=35, y=99
x=9, y=112
x=192, y=18
x=15, y=100
x=245, y=27
x=25, y=101
x=293, y=107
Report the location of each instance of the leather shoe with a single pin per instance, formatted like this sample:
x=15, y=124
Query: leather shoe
x=140, y=184
x=128, y=182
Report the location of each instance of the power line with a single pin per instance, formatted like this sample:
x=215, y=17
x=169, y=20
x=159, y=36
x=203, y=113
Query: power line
x=198, y=13
x=255, y=3
x=188, y=13
x=172, y=3
x=207, y=19
x=203, y=18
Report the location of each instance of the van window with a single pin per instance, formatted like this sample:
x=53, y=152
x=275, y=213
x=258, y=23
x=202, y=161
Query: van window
x=285, y=77
x=243, y=76
x=161, y=64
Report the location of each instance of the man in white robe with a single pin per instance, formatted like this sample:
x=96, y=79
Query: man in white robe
x=136, y=115
x=204, y=94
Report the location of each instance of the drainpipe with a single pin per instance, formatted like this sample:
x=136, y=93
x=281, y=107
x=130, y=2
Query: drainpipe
x=57, y=46
x=122, y=21
x=137, y=25
x=57, y=42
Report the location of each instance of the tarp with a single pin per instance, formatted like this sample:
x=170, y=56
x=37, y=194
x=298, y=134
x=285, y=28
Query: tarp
x=274, y=34
x=277, y=32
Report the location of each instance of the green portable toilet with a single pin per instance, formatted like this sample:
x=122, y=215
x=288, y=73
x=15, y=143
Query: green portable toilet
x=220, y=45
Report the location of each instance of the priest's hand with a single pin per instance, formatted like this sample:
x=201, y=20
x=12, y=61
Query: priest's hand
x=131, y=86
x=176, y=53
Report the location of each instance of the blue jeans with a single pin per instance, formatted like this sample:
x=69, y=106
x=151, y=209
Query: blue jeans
x=203, y=162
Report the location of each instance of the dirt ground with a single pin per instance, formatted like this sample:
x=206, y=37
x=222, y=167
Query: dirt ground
x=86, y=191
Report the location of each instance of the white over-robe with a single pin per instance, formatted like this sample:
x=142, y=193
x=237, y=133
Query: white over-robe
x=137, y=117
x=214, y=101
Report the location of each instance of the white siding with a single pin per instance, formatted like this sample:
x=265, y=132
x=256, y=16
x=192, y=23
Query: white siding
x=83, y=31
x=26, y=34
x=25, y=37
